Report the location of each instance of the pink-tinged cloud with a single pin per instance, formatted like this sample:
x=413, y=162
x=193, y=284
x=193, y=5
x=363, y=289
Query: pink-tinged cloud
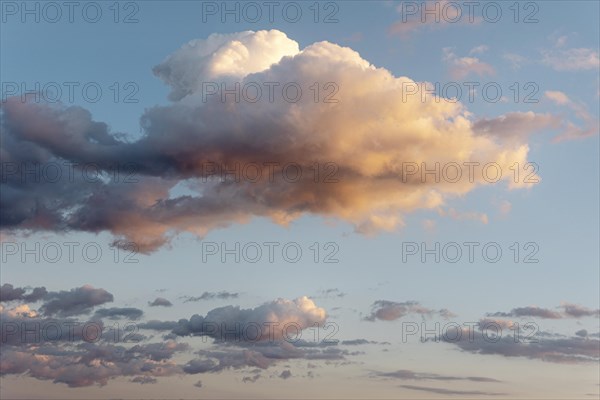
x=365, y=138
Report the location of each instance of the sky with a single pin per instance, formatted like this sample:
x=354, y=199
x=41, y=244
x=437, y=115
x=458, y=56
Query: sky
x=353, y=199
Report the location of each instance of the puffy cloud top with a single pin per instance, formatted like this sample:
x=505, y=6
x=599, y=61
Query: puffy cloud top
x=221, y=56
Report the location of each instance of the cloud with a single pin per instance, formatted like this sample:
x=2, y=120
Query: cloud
x=479, y=49
x=76, y=301
x=569, y=311
x=71, y=353
x=542, y=346
x=251, y=379
x=360, y=342
x=285, y=374
x=516, y=61
x=574, y=59
x=331, y=293
x=221, y=57
x=491, y=323
x=515, y=126
x=531, y=311
x=389, y=310
x=271, y=321
x=581, y=333
x=452, y=392
x=118, y=312
x=223, y=295
x=557, y=97
x=578, y=311
x=461, y=67
x=590, y=124
x=261, y=355
x=160, y=302
x=143, y=380
x=366, y=136
x=88, y=363
x=405, y=374
x=10, y=293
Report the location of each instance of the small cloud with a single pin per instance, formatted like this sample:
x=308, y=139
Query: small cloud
x=557, y=97
x=160, y=302
x=589, y=126
x=575, y=59
x=118, y=312
x=285, y=374
x=582, y=333
x=461, y=67
x=143, y=380
x=505, y=207
x=223, y=295
x=516, y=61
x=479, y=49
x=452, y=392
x=250, y=379
x=389, y=310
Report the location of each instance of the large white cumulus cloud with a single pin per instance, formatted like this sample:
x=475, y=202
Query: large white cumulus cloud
x=369, y=135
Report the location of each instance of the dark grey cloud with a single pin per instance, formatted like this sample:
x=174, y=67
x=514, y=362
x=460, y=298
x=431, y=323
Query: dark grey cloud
x=143, y=380
x=569, y=311
x=119, y=312
x=160, y=302
x=578, y=311
x=581, y=333
x=75, y=301
x=543, y=346
x=86, y=364
x=198, y=366
x=259, y=355
x=359, y=342
x=285, y=374
x=9, y=293
x=251, y=379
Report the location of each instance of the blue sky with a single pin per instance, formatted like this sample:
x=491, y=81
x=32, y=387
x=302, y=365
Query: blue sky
x=366, y=220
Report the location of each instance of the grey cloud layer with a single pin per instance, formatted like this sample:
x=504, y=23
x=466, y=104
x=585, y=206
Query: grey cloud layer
x=569, y=311
x=390, y=310
x=79, y=356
